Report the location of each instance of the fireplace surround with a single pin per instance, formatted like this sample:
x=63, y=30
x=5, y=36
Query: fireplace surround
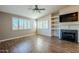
x=69, y=35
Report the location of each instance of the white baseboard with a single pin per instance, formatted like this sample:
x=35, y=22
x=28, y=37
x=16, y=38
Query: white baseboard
x=16, y=37
x=43, y=34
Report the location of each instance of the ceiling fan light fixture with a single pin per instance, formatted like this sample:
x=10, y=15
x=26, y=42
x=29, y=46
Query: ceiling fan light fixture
x=36, y=9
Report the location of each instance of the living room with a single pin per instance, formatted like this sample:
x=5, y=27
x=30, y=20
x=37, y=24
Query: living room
x=39, y=28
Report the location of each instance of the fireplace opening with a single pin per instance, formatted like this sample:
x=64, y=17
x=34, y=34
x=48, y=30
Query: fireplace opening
x=69, y=35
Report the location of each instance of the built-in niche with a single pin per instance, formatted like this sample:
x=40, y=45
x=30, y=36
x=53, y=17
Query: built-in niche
x=71, y=17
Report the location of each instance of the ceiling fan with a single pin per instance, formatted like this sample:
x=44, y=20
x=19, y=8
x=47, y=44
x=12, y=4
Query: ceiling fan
x=37, y=9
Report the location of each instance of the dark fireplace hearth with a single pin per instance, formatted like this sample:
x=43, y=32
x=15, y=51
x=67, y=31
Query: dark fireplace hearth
x=69, y=35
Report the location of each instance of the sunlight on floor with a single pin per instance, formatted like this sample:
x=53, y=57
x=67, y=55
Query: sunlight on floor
x=23, y=47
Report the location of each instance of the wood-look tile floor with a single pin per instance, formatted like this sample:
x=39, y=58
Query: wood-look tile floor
x=38, y=44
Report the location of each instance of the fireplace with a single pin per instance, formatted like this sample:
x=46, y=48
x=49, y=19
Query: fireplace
x=69, y=35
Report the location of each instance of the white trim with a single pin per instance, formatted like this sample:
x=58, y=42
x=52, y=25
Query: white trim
x=44, y=34
x=16, y=37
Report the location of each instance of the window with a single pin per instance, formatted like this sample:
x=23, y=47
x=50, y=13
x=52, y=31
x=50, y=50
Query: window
x=45, y=24
x=29, y=24
x=39, y=24
x=25, y=24
x=15, y=23
x=42, y=24
x=21, y=24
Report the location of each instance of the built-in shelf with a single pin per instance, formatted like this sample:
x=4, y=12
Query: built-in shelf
x=54, y=25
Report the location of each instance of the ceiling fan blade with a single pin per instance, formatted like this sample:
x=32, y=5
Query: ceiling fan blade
x=42, y=9
x=38, y=9
x=34, y=9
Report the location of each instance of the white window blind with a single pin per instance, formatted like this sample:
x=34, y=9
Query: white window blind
x=42, y=24
x=21, y=24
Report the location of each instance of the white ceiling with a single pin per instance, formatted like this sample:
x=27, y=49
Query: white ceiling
x=24, y=10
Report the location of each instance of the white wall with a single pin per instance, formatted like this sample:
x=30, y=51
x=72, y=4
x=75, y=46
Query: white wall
x=0, y=30
x=70, y=25
x=6, y=27
x=46, y=32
